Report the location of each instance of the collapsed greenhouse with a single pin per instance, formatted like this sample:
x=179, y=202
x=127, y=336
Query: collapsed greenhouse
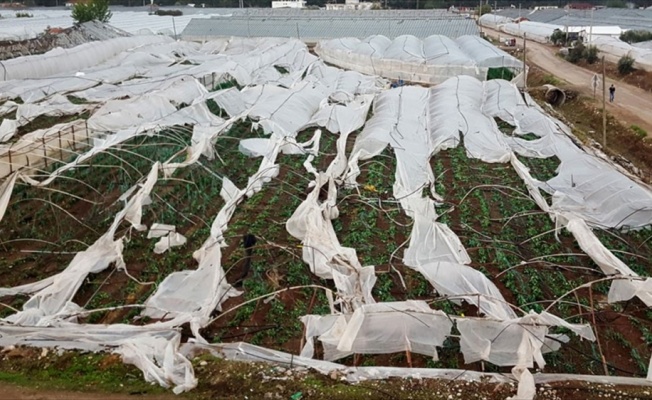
x=121, y=223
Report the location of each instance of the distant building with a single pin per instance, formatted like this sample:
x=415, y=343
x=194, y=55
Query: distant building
x=71, y=3
x=579, y=6
x=351, y=5
x=289, y=4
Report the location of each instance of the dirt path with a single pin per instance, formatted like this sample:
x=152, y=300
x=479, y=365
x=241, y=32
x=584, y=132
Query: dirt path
x=632, y=104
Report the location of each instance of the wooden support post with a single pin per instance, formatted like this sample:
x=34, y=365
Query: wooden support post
x=45, y=153
x=10, y=165
x=60, y=147
x=73, y=139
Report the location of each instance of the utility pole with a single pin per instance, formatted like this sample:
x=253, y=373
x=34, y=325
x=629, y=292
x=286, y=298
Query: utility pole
x=604, y=106
x=524, y=65
x=479, y=15
x=591, y=28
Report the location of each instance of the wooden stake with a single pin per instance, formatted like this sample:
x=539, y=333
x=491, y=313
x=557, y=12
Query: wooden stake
x=597, y=339
x=408, y=354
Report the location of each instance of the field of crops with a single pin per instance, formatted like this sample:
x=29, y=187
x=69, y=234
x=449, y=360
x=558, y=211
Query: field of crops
x=509, y=239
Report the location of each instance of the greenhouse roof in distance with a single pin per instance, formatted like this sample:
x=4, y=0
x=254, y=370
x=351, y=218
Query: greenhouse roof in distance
x=312, y=29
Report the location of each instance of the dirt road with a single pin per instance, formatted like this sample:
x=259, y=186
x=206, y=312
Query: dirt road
x=632, y=105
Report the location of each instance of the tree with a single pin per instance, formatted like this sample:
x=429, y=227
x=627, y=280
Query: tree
x=485, y=9
x=590, y=54
x=94, y=10
x=625, y=65
x=616, y=4
x=558, y=37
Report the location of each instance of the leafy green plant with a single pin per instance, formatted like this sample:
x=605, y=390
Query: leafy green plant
x=485, y=9
x=559, y=37
x=625, y=65
x=575, y=54
x=23, y=15
x=590, y=54
x=94, y=10
x=640, y=132
x=173, y=13
x=635, y=36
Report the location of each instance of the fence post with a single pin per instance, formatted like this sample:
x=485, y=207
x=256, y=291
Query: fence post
x=60, y=147
x=45, y=153
x=10, y=165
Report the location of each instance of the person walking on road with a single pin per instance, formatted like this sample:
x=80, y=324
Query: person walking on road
x=612, y=93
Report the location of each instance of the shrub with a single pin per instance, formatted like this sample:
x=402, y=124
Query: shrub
x=23, y=15
x=94, y=10
x=485, y=9
x=173, y=13
x=616, y=4
x=590, y=54
x=625, y=65
x=635, y=36
x=640, y=132
x=558, y=37
x=576, y=53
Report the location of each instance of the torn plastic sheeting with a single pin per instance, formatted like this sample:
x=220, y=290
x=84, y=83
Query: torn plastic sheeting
x=8, y=129
x=117, y=115
x=430, y=241
x=230, y=100
x=133, y=211
x=482, y=139
x=526, y=389
x=461, y=282
x=585, y=185
x=198, y=293
x=311, y=223
x=396, y=114
x=345, y=85
x=77, y=58
x=518, y=342
x=54, y=106
x=338, y=118
x=193, y=294
x=406, y=326
x=329, y=330
x=285, y=112
x=172, y=239
x=259, y=147
x=247, y=352
x=5, y=193
x=181, y=90
x=154, y=349
x=157, y=230
x=625, y=289
x=56, y=292
x=8, y=106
